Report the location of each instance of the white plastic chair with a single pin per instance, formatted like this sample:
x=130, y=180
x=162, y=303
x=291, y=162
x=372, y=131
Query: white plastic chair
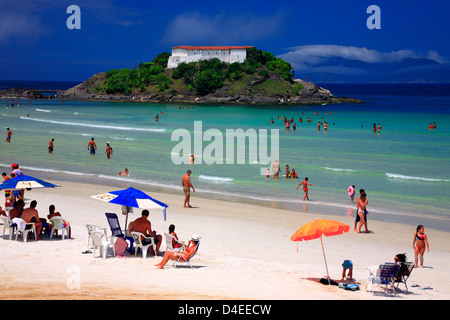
x=91, y=229
x=57, y=223
x=29, y=227
x=100, y=240
x=137, y=236
x=169, y=244
x=7, y=224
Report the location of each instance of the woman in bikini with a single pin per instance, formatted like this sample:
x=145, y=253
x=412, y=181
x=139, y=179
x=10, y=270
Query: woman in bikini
x=419, y=242
x=361, y=204
x=191, y=249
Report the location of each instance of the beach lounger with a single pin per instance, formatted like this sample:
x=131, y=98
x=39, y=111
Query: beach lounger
x=100, y=240
x=93, y=228
x=59, y=224
x=137, y=236
x=404, y=273
x=116, y=231
x=169, y=246
x=384, y=276
x=188, y=261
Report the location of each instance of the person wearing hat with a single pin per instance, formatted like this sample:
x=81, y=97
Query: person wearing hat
x=189, y=251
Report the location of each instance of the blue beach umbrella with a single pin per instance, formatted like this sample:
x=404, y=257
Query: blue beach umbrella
x=25, y=182
x=132, y=198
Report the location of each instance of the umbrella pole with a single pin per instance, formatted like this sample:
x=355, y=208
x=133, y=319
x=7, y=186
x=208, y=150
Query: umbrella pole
x=324, y=258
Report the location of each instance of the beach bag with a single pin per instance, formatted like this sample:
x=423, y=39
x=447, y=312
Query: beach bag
x=120, y=246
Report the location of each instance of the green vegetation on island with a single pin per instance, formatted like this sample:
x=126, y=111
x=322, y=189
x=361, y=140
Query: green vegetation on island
x=200, y=78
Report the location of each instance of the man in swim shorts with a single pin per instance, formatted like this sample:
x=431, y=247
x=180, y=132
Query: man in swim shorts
x=92, y=146
x=305, y=184
x=8, y=135
x=50, y=146
x=187, y=185
x=144, y=226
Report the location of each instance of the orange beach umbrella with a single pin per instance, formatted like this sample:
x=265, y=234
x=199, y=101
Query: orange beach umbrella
x=315, y=229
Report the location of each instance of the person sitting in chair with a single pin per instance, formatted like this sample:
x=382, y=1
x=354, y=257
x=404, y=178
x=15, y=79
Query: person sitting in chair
x=144, y=226
x=191, y=249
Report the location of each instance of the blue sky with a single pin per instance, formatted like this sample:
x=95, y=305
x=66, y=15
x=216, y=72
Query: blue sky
x=325, y=40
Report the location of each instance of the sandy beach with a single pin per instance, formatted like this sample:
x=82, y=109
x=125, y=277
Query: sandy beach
x=245, y=253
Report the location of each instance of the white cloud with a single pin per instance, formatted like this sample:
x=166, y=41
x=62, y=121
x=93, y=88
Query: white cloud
x=303, y=57
x=198, y=28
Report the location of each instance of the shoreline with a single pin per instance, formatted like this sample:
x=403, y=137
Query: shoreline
x=441, y=223
x=237, y=240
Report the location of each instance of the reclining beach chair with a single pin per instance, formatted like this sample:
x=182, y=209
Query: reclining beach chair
x=188, y=261
x=385, y=276
x=404, y=273
x=169, y=244
x=116, y=231
x=137, y=237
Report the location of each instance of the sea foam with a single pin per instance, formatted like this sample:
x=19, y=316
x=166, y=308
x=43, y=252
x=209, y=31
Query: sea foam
x=94, y=125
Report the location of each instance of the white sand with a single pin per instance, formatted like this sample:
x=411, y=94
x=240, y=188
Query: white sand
x=245, y=253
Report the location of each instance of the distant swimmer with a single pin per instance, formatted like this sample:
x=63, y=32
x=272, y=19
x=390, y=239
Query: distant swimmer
x=434, y=125
x=157, y=118
x=8, y=135
x=124, y=172
x=379, y=127
x=374, y=128
x=50, y=146
x=293, y=174
x=271, y=121
x=191, y=159
x=109, y=150
x=92, y=146
x=318, y=125
x=305, y=184
x=325, y=126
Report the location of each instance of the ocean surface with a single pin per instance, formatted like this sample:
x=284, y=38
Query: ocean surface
x=405, y=168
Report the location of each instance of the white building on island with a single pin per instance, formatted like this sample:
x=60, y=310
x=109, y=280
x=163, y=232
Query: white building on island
x=227, y=54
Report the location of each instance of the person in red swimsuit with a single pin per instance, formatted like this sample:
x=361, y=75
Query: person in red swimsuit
x=305, y=184
x=419, y=242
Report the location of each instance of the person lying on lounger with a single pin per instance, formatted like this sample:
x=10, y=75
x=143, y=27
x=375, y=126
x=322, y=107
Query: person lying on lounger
x=190, y=250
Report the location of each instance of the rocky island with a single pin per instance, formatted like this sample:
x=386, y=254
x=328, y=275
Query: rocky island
x=259, y=79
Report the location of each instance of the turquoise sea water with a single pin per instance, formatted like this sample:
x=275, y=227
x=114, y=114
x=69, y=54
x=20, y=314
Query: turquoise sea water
x=405, y=169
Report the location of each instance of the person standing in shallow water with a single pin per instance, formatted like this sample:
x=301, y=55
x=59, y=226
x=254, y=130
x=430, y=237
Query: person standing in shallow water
x=305, y=184
x=109, y=151
x=92, y=146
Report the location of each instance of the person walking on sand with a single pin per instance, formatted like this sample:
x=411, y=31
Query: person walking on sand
x=8, y=135
x=305, y=184
x=187, y=185
x=361, y=215
x=92, y=146
x=50, y=146
x=420, y=240
x=109, y=150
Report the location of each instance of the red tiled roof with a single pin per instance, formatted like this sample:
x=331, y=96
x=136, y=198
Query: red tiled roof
x=211, y=47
